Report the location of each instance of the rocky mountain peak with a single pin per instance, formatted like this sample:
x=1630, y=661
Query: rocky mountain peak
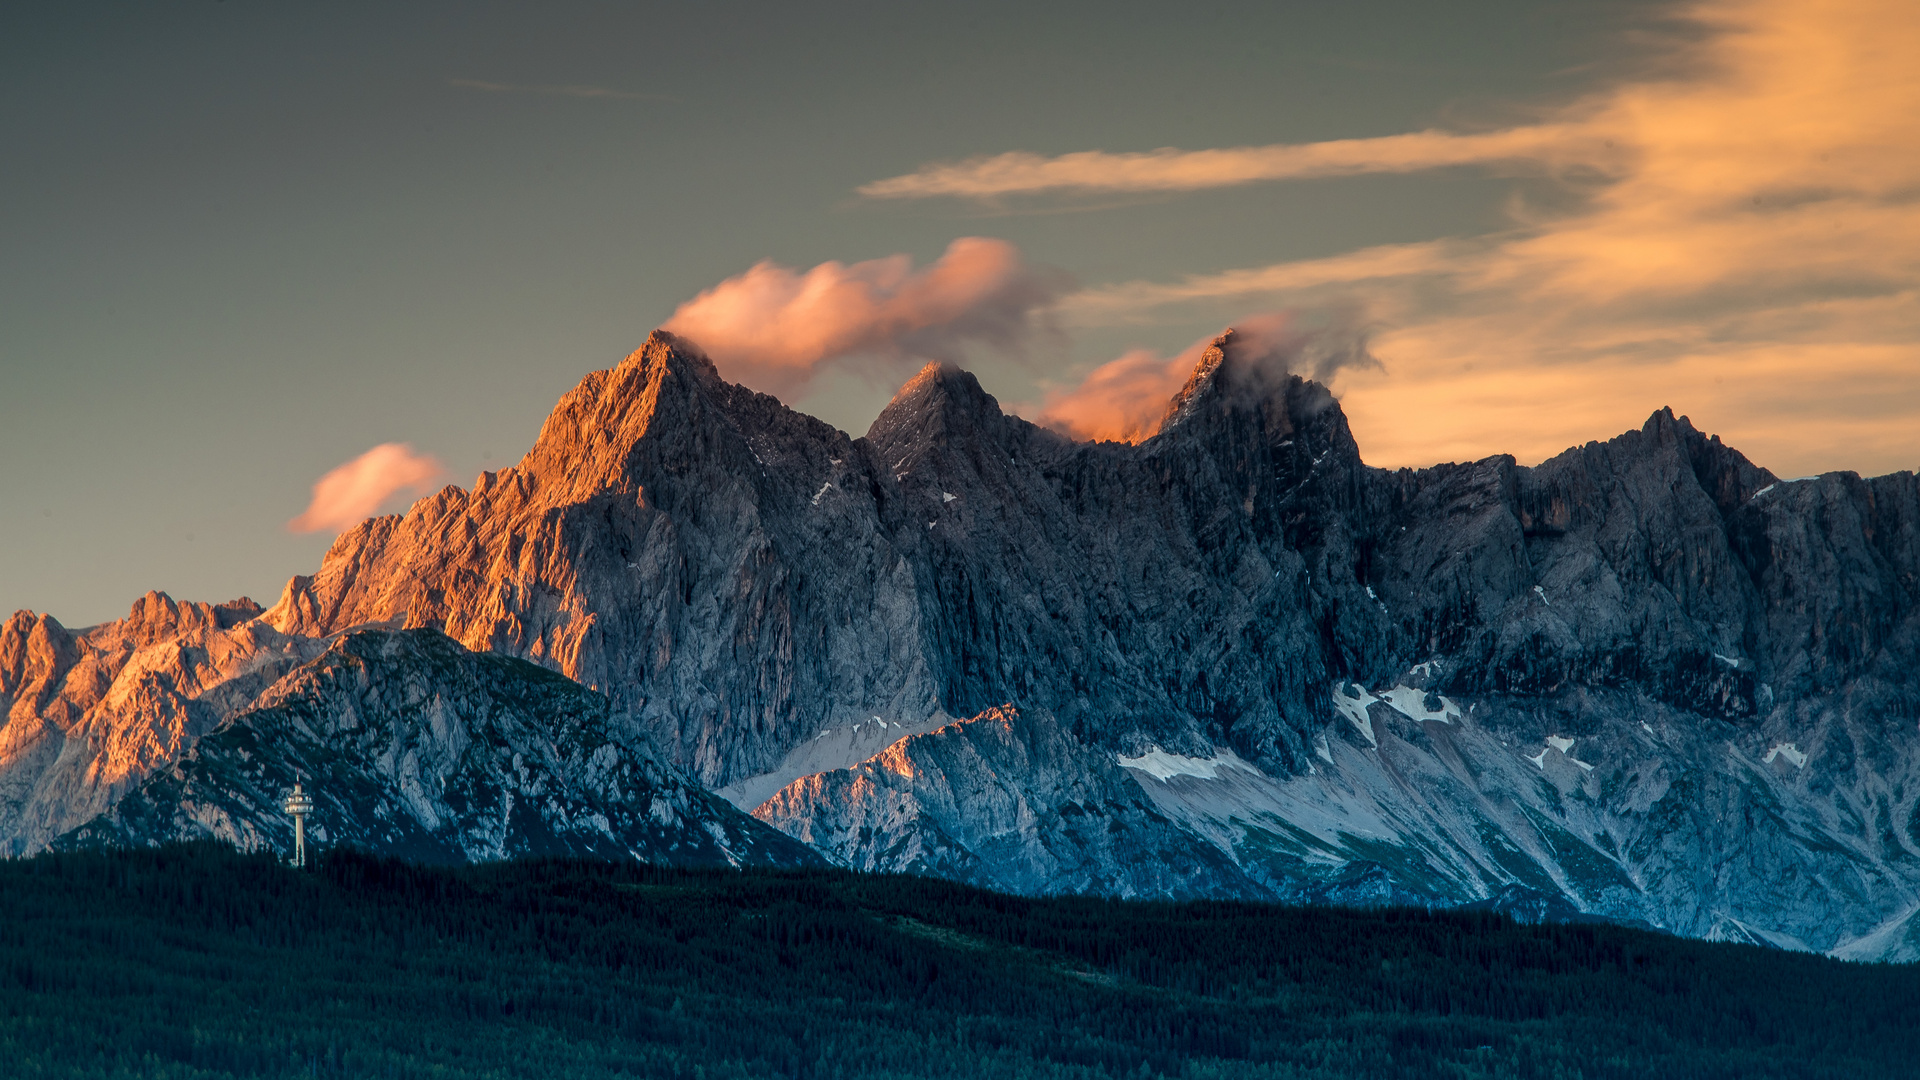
x=35, y=653
x=1724, y=473
x=942, y=404
x=158, y=617
x=662, y=392
x=1567, y=488
x=1242, y=390
x=1201, y=384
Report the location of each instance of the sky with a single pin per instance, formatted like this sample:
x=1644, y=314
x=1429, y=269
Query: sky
x=267, y=268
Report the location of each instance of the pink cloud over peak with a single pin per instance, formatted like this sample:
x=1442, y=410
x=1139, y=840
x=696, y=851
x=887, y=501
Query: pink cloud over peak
x=1125, y=400
x=773, y=328
x=353, y=492
x=1121, y=400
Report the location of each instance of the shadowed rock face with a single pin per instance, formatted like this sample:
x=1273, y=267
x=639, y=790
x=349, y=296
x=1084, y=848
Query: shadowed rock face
x=1005, y=800
x=416, y=747
x=1646, y=677
x=739, y=578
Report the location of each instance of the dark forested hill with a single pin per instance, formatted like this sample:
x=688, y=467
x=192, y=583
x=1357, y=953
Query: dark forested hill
x=195, y=961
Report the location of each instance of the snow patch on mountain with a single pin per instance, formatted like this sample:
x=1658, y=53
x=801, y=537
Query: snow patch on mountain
x=1352, y=703
x=1412, y=704
x=1161, y=765
x=1788, y=751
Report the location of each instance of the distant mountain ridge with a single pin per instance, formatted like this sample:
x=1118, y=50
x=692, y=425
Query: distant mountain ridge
x=91, y=712
x=185, y=721
x=416, y=747
x=1646, y=678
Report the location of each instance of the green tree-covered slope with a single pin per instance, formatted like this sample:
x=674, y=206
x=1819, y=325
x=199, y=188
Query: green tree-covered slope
x=195, y=961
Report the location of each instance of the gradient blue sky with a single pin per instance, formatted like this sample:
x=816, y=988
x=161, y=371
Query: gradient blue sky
x=245, y=242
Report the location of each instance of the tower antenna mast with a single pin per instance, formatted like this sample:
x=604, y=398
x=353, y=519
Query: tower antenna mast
x=299, y=804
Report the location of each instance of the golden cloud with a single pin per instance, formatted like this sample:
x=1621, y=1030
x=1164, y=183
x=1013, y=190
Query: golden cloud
x=1169, y=169
x=1121, y=400
x=1751, y=257
x=355, y=491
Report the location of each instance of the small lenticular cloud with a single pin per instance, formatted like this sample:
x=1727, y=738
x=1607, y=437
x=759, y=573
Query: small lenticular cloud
x=355, y=491
x=773, y=328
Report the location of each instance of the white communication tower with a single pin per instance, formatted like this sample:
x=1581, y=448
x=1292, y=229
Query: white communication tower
x=299, y=805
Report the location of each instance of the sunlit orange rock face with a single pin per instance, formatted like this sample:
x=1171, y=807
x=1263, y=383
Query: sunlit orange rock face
x=676, y=596
x=92, y=711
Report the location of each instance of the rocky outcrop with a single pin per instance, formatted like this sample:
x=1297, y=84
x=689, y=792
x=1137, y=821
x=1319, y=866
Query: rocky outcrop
x=191, y=720
x=416, y=747
x=1136, y=594
x=1646, y=676
x=1618, y=805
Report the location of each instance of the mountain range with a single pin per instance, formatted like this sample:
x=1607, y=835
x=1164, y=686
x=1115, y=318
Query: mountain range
x=1645, y=681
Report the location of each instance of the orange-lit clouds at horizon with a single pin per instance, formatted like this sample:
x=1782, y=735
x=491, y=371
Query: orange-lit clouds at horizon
x=1743, y=244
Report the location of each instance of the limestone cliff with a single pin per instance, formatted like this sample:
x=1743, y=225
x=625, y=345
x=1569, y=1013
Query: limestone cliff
x=717, y=564
x=1644, y=680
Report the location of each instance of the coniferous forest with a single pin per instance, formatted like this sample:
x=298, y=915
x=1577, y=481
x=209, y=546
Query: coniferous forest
x=195, y=961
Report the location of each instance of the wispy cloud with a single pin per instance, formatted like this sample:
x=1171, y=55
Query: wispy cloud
x=1749, y=253
x=355, y=491
x=1168, y=169
x=570, y=90
x=774, y=328
x=1139, y=301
